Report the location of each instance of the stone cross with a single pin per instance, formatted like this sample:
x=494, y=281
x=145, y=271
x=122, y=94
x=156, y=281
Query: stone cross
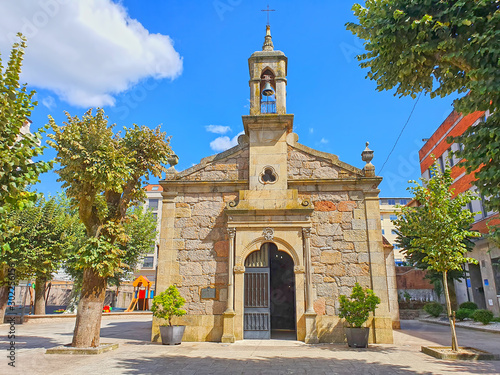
x=268, y=10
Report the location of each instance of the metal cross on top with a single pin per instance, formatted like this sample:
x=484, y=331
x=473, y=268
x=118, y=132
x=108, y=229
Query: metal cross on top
x=268, y=10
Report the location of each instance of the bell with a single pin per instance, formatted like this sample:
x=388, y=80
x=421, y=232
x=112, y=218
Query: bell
x=268, y=90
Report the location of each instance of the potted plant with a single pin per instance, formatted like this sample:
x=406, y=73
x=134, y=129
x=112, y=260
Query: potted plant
x=165, y=306
x=355, y=310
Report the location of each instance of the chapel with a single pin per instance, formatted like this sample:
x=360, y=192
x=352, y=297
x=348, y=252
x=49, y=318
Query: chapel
x=262, y=239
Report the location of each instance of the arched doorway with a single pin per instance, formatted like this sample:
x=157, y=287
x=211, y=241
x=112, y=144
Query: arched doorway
x=269, y=294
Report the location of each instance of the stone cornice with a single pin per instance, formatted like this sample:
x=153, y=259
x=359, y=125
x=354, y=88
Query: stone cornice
x=267, y=120
x=370, y=183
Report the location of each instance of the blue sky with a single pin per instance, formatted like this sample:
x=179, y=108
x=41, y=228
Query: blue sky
x=183, y=64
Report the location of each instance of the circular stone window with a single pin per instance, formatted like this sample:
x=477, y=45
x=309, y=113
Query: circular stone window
x=268, y=176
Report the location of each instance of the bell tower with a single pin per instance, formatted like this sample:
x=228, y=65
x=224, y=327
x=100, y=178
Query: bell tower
x=268, y=124
x=267, y=79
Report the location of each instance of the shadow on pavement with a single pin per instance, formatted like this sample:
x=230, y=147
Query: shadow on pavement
x=179, y=365
x=372, y=348
x=31, y=342
x=127, y=330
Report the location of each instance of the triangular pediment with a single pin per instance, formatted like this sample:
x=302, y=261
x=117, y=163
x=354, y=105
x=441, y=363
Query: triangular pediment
x=230, y=165
x=305, y=163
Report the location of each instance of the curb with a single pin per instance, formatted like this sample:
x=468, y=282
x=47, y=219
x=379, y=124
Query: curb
x=65, y=349
x=460, y=326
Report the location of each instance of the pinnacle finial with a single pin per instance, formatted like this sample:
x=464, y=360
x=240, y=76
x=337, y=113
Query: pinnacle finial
x=367, y=156
x=268, y=41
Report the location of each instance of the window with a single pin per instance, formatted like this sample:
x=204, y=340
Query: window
x=153, y=204
x=393, y=217
x=403, y=202
x=430, y=173
x=155, y=215
x=383, y=231
x=484, y=211
x=155, y=188
x=381, y=217
x=148, y=262
x=396, y=247
x=495, y=262
x=441, y=163
x=469, y=207
x=394, y=232
x=391, y=201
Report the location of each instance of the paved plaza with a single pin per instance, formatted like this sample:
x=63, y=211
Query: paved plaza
x=136, y=355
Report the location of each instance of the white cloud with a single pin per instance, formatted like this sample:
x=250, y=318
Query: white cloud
x=85, y=51
x=224, y=143
x=217, y=129
x=324, y=141
x=49, y=102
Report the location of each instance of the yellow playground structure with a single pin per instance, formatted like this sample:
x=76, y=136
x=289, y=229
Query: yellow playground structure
x=142, y=294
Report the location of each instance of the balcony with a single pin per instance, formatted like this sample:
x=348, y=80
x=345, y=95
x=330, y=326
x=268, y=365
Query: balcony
x=268, y=106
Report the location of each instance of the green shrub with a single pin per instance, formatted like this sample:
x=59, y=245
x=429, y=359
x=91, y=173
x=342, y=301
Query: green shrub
x=468, y=306
x=356, y=308
x=496, y=319
x=168, y=304
x=483, y=316
x=463, y=313
x=433, y=308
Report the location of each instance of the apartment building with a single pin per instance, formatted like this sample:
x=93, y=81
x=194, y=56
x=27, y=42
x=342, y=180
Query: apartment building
x=482, y=284
x=389, y=208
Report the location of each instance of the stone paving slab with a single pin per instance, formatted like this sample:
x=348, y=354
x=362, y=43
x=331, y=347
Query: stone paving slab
x=136, y=355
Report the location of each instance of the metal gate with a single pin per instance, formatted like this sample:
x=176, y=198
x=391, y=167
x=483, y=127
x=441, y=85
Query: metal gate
x=257, y=316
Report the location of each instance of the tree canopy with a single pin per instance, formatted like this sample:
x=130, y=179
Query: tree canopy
x=441, y=47
x=103, y=173
x=17, y=151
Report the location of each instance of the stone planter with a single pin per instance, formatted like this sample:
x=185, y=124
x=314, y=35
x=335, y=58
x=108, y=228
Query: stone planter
x=357, y=337
x=463, y=353
x=171, y=335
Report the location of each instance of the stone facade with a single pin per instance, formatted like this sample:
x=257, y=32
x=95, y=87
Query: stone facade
x=270, y=189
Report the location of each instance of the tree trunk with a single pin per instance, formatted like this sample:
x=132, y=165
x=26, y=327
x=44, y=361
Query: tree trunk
x=88, y=318
x=4, y=298
x=4, y=292
x=453, y=294
x=451, y=317
x=40, y=284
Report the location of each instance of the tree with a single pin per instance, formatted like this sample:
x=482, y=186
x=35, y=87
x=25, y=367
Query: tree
x=17, y=168
x=441, y=47
x=438, y=229
x=47, y=233
x=102, y=173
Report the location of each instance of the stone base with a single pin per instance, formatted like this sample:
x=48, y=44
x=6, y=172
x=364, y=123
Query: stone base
x=311, y=331
x=463, y=353
x=198, y=327
x=229, y=339
x=331, y=330
x=67, y=349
